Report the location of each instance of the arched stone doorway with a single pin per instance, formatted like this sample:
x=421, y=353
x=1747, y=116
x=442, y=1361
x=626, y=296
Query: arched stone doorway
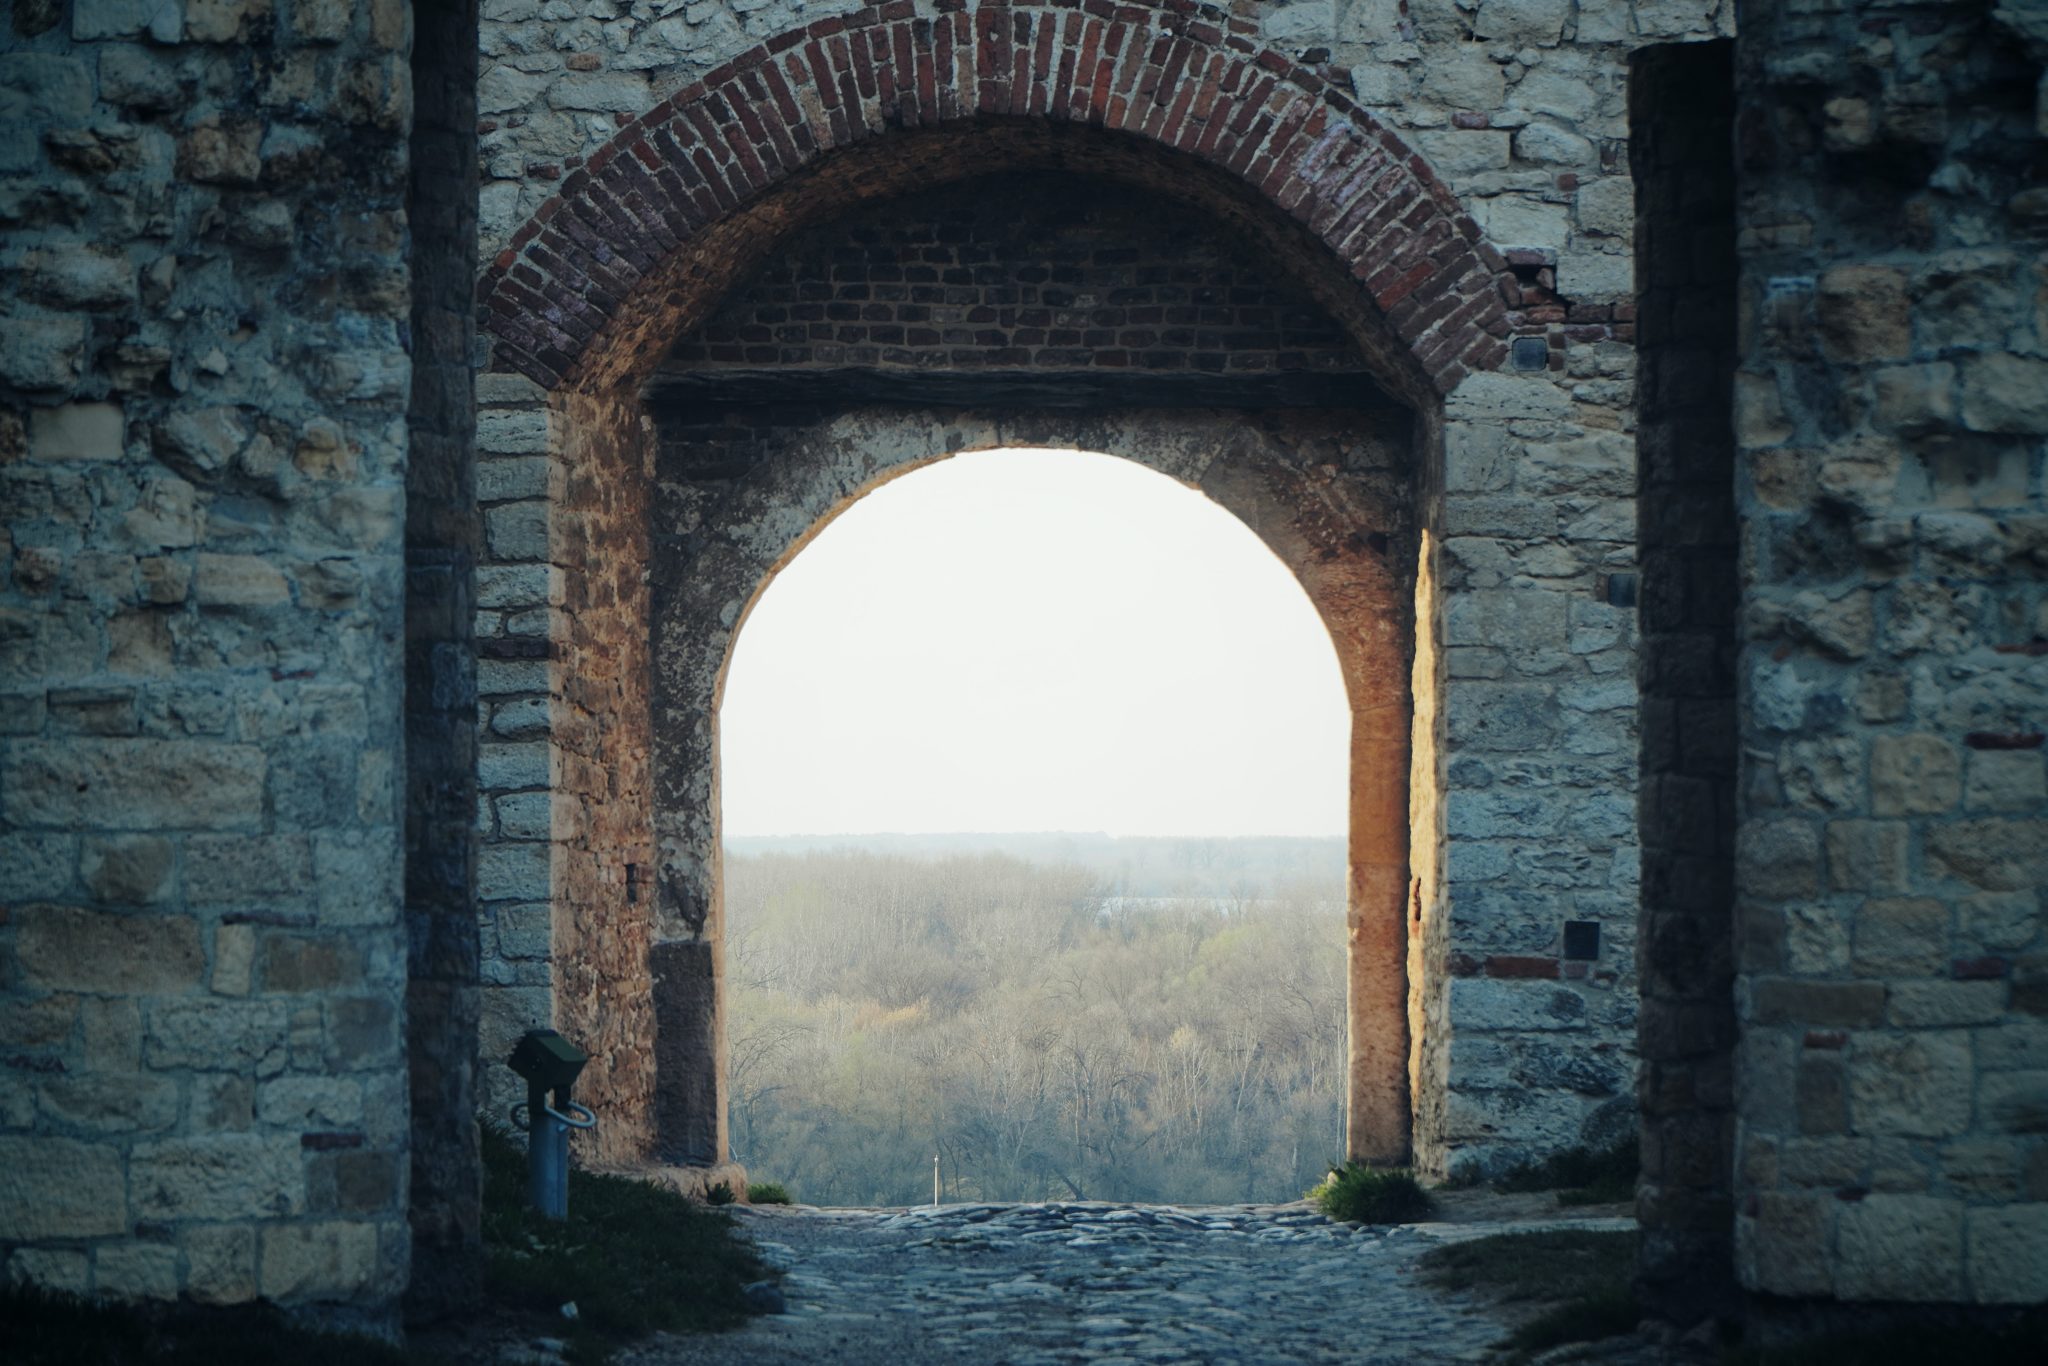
x=599, y=868
x=1325, y=489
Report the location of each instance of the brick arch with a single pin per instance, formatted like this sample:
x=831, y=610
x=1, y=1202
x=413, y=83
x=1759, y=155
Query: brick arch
x=645, y=232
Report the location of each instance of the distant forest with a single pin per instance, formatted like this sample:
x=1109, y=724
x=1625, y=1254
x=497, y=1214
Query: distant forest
x=1149, y=1020
x=1128, y=865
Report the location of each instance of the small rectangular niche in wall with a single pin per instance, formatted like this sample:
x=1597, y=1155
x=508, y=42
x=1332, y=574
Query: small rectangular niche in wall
x=1581, y=940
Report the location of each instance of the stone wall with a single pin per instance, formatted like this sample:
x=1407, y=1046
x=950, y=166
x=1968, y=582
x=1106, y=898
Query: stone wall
x=1022, y=271
x=1892, y=403
x=1529, y=506
x=203, y=380
x=1519, y=104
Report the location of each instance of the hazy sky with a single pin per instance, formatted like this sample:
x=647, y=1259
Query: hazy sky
x=1034, y=640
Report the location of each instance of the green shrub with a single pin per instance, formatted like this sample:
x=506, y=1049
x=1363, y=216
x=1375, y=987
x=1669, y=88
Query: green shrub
x=768, y=1193
x=1583, y=1274
x=1369, y=1195
x=1580, y=1176
x=720, y=1194
x=633, y=1258
x=1608, y=1312
x=1550, y=1264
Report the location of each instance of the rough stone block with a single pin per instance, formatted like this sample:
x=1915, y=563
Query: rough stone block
x=363, y=1032
x=150, y=785
x=58, y=1188
x=76, y=431
x=127, y=870
x=136, y=1271
x=2015, y=1102
x=70, y=947
x=2006, y=780
x=218, y=1035
x=218, y=1176
x=109, y=1102
x=1944, y=1005
x=2005, y=393
x=1790, y=1001
x=220, y=1263
x=42, y=354
x=1867, y=856
x=304, y=1103
x=307, y=963
x=240, y=581
x=514, y=431
x=327, y=1261
x=1902, y=937
x=357, y=877
x=2008, y=1251
x=1911, y=1085
x=56, y=1269
x=517, y=531
x=234, y=959
x=36, y=866
x=1998, y=855
x=1784, y=1248
x=1900, y=1247
x=1486, y=1003
x=126, y=18
x=503, y=768
x=1864, y=313
x=525, y=815
x=514, y=872
x=1778, y=860
x=1913, y=775
x=234, y=869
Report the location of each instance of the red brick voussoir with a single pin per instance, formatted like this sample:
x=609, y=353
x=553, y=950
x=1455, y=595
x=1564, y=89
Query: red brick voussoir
x=595, y=262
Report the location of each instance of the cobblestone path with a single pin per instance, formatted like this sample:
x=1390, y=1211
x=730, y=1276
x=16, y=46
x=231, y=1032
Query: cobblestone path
x=1031, y=1285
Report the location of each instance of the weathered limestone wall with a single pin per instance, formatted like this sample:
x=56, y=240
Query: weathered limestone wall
x=1520, y=104
x=1893, y=844
x=203, y=380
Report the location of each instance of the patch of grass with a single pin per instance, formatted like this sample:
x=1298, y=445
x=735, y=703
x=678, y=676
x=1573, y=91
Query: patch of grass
x=1553, y=1264
x=1606, y=1313
x=720, y=1194
x=1371, y=1195
x=43, y=1328
x=1580, y=1176
x=2016, y=1344
x=1587, y=1273
x=768, y=1193
x=633, y=1258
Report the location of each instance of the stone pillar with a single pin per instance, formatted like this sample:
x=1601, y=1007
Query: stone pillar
x=1681, y=145
x=440, y=713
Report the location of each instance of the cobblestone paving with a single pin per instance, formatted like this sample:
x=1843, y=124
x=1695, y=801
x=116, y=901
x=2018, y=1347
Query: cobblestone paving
x=1031, y=1285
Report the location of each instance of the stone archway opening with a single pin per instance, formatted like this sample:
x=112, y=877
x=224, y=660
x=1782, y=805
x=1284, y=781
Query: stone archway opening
x=622, y=467
x=1226, y=580
x=1326, y=489
x=1272, y=488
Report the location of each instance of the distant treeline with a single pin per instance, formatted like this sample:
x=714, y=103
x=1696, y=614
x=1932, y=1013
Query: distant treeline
x=1129, y=865
x=1044, y=1035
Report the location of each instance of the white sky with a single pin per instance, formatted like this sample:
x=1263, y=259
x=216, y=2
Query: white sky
x=1028, y=640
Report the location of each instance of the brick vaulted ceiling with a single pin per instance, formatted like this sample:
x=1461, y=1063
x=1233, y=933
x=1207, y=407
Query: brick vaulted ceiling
x=648, y=232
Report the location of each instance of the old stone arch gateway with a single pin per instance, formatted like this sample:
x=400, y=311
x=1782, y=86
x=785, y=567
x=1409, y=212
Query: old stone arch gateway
x=1654, y=416
x=886, y=237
